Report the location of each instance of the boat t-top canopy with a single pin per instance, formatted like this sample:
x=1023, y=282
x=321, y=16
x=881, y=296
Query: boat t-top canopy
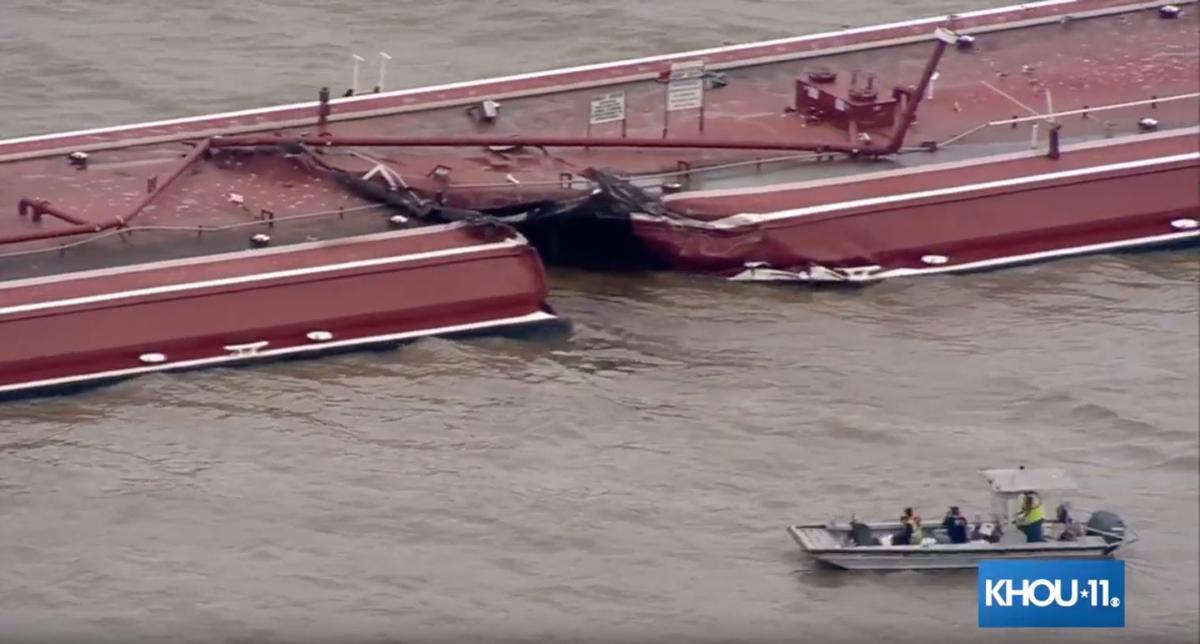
x=1023, y=480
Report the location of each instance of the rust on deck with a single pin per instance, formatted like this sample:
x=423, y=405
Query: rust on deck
x=1018, y=68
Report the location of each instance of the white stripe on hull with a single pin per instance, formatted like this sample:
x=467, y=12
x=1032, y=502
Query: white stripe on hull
x=1114, y=143
x=870, y=274
x=264, y=354
x=1029, y=258
x=752, y=219
x=259, y=277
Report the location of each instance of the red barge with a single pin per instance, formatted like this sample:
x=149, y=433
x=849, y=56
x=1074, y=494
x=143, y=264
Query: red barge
x=939, y=144
x=237, y=307
x=977, y=214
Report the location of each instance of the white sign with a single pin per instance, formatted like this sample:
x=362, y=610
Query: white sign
x=685, y=87
x=685, y=95
x=607, y=108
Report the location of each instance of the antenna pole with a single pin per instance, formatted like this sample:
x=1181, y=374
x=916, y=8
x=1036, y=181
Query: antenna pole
x=383, y=58
x=354, y=85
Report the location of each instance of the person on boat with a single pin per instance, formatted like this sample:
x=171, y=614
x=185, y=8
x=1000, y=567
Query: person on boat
x=980, y=530
x=1032, y=517
x=1071, y=530
x=911, y=534
x=956, y=525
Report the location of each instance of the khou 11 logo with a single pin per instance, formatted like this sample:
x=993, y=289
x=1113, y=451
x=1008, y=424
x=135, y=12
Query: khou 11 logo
x=1052, y=593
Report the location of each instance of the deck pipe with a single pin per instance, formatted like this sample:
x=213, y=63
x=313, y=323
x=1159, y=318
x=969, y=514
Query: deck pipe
x=910, y=109
x=696, y=143
x=27, y=206
x=82, y=226
x=893, y=146
x=541, y=141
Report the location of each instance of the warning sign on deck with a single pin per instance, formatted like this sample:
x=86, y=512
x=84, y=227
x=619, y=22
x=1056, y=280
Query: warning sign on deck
x=685, y=86
x=685, y=95
x=607, y=108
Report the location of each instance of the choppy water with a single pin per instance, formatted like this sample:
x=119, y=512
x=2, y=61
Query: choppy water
x=628, y=482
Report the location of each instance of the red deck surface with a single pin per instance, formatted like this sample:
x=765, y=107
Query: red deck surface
x=555, y=82
x=1092, y=61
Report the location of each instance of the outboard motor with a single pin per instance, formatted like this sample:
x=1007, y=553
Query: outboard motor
x=1106, y=524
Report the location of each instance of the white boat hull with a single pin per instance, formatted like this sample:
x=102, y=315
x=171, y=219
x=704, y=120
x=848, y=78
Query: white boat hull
x=942, y=560
x=826, y=544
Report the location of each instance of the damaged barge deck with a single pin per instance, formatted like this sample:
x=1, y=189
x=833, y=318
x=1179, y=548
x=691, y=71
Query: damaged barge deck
x=527, y=149
x=936, y=144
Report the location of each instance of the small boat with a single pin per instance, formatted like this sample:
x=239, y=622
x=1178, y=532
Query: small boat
x=867, y=546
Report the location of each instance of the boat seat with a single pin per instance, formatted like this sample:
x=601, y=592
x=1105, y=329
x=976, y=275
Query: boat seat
x=860, y=534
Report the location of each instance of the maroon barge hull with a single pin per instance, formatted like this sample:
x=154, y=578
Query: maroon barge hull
x=269, y=303
x=983, y=213
x=706, y=155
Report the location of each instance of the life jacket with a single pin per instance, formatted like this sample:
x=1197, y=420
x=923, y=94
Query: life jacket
x=1035, y=513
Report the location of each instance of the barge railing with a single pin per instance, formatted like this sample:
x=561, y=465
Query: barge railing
x=1051, y=117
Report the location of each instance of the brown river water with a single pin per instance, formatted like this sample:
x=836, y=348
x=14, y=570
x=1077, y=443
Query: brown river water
x=629, y=481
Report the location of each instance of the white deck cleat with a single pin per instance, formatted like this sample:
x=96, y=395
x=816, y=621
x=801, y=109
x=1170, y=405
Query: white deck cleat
x=249, y=349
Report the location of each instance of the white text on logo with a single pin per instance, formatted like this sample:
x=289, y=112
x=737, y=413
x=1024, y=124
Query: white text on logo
x=1045, y=592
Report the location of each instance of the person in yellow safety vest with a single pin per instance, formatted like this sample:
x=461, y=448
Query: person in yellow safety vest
x=1032, y=517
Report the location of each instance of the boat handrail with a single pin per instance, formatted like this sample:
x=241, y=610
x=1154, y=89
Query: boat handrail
x=1050, y=117
x=837, y=525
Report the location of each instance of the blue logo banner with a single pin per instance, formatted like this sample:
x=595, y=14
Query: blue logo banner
x=1052, y=593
